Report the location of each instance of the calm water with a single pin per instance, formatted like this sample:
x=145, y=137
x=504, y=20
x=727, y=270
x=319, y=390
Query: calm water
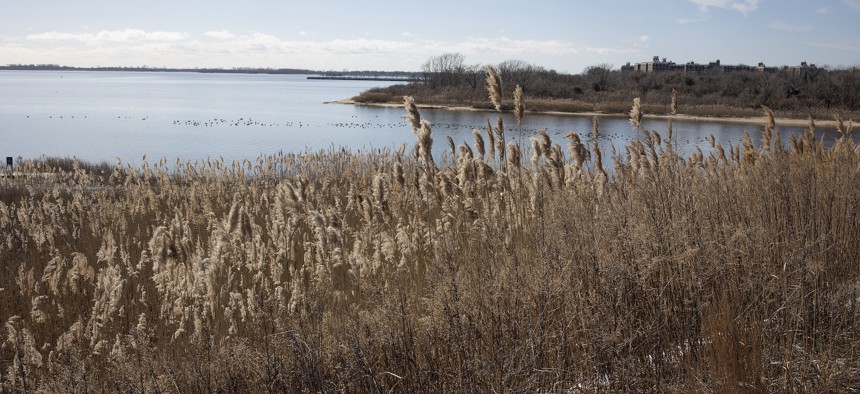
x=99, y=116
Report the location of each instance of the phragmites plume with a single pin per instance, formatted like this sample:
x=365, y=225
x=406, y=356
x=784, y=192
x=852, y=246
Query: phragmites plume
x=811, y=128
x=519, y=107
x=655, y=138
x=494, y=86
x=669, y=130
x=595, y=126
x=545, y=142
x=598, y=160
x=492, y=139
x=768, y=127
x=452, y=146
x=770, y=122
x=841, y=127
x=577, y=150
x=500, y=138
x=513, y=155
x=412, y=112
x=425, y=143
x=479, y=143
x=398, y=172
x=421, y=129
x=674, y=101
x=636, y=113
x=536, y=151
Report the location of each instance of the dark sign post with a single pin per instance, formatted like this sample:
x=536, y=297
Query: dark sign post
x=9, y=162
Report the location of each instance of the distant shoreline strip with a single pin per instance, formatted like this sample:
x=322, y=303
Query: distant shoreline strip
x=362, y=78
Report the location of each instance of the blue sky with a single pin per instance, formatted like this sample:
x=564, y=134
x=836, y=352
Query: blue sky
x=400, y=35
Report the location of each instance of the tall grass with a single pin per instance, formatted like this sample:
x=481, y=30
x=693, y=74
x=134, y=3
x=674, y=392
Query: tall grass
x=387, y=271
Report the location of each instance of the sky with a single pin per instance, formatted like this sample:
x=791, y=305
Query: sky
x=566, y=36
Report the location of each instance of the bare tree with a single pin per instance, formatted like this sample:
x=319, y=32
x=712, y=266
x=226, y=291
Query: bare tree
x=444, y=70
x=518, y=72
x=598, y=76
x=474, y=76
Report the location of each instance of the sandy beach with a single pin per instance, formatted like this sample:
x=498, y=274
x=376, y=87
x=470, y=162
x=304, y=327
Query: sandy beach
x=727, y=119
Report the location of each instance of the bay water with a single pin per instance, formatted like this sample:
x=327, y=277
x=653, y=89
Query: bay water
x=102, y=116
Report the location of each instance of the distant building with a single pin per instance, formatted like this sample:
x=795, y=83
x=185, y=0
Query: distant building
x=658, y=65
x=798, y=70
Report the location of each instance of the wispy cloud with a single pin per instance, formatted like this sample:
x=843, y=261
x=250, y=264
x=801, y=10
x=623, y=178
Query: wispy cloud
x=823, y=11
x=641, y=42
x=789, y=27
x=855, y=4
x=221, y=34
x=745, y=7
x=685, y=21
x=222, y=48
x=110, y=36
x=835, y=45
x=512, y=47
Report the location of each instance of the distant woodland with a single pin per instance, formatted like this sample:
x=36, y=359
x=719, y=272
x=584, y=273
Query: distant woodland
x=448, y=80
x=237, y=70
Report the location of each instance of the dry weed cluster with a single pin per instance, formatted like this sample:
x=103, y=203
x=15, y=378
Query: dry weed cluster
x=734, y=270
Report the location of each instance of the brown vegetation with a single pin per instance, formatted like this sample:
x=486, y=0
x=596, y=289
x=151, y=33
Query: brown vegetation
x=735, y=270
x=372, y=97
x=818, y=92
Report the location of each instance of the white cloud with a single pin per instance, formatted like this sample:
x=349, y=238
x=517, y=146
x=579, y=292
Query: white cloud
x=745, y=7
x=137, y=47
x=406, y=34
x=220, y=34
x=823, y=11
x=789, y=27
x=511, y=47
x=114, y=36
x=304, y=33
x=58, y=36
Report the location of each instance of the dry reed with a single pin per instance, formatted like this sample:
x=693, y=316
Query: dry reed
x=636, y=113
x=674, y=105
x=665, y=273
x=494, y=86
x=519, y=105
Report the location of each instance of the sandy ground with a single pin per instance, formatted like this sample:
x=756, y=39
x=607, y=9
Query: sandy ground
x=728, y=119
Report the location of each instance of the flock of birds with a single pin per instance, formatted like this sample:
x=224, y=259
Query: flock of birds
x=234, y=123
x=403, y=124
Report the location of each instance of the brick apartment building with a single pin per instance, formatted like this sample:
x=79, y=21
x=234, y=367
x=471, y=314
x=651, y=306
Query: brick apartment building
x=660, y=65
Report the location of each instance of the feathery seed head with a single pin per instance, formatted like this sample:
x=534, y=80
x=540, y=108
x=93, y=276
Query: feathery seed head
x=545, y=142
x=479, y=143
x=636, y=113
x=513, y=155
x=492, y=139
x=494, y=86
x=519, y=106
x=412, y=113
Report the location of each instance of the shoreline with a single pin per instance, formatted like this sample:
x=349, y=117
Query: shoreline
x=695, y=118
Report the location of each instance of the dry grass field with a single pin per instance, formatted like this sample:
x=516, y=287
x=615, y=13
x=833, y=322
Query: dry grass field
x=552, y=267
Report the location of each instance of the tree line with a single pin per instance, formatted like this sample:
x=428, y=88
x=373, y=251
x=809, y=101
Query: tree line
x=824, y=89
